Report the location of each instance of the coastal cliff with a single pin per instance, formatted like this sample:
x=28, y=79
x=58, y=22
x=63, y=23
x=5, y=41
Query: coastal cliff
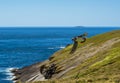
x=96, y=60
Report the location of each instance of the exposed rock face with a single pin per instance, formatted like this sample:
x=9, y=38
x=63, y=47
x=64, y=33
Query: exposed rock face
x=81, y=39
x=74, y=47
x=29, y=74
x=47, y=72
x=35, y=72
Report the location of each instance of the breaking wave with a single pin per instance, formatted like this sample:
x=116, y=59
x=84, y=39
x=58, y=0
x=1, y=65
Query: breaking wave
x=8, y=73
x=61, y=47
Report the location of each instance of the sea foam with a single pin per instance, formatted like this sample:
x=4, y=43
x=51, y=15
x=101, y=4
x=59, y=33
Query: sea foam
x=61, y=47
x=9, y=74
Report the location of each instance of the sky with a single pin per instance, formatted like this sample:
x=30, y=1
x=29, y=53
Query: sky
x=59, y=13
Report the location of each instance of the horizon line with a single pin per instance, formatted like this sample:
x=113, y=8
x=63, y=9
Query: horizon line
x=77, y=26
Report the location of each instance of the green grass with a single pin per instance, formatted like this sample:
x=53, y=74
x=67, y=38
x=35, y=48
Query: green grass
x=94, y=66
x=103, y=67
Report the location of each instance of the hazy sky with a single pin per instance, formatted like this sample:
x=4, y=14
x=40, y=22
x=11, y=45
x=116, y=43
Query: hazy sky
x=59, y=12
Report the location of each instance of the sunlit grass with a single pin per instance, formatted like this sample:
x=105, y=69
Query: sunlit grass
x=103, y=67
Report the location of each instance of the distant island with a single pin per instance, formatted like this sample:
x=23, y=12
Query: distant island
x=79, y=26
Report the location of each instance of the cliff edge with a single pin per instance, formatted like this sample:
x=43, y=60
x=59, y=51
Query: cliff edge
x=96, y=60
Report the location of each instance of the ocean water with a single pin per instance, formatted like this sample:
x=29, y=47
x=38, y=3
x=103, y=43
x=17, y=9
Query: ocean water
x=21, y=47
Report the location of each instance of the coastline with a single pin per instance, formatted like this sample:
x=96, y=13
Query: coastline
x=66, y=62
x=9, y=75
x=28, y=73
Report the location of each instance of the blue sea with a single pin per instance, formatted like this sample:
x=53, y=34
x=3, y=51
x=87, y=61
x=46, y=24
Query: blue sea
x=21, y=47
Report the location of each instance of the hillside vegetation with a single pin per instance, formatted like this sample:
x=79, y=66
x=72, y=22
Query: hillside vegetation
x=96, y=60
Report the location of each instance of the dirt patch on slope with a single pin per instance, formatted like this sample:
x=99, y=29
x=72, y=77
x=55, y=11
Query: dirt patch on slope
x=83, y=54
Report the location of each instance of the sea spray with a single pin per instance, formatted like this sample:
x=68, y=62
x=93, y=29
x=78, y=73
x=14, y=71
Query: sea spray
x=9, y=74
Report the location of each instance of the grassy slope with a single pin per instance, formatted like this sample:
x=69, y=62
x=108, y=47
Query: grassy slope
x=104, y=66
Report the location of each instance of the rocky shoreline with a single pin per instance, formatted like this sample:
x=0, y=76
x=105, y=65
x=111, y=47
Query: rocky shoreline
x=35, y=72
x=28, y=74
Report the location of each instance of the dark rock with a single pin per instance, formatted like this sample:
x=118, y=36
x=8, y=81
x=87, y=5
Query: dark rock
x=42, y=68
x=89, y=80
x=48, y=71
x=16, y=78
x=67, y=45
x=14, y=70
x=51, y=58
